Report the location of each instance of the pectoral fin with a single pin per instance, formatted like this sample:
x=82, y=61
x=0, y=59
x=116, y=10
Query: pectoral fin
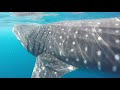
x=48, y=66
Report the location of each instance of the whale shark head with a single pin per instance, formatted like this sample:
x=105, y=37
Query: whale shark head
x=25, y=33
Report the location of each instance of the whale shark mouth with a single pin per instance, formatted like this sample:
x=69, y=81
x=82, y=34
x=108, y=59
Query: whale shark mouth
x=68, y=45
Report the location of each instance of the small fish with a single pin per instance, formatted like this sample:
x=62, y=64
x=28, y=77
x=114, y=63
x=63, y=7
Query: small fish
x=68, y=45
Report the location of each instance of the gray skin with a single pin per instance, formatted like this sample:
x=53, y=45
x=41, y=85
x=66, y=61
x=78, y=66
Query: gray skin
x=65, y=46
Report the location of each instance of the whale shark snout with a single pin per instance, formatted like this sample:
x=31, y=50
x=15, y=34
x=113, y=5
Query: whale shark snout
x=22, y=32
x=19, y=33
x=31, y=37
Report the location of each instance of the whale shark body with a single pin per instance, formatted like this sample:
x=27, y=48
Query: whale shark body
x=62, y=47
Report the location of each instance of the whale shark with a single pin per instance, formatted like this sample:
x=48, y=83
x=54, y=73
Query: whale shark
x=62, y=47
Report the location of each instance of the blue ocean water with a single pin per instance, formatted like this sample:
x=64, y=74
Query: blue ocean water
x=16, y=62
